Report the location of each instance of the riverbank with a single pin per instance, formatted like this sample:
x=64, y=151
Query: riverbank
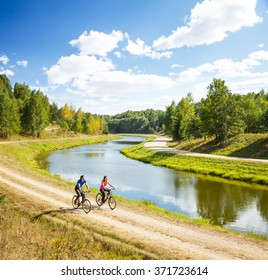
x=29, y=154
x=254, y=146
x=157, y=153
x=39, y=206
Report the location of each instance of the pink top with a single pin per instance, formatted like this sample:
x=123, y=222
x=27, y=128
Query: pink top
x=103, y=185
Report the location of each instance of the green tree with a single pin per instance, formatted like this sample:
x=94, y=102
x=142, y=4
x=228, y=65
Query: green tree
x=252, y=113
x=92, y=125
x=220, y=112
x=264, y=120
x=22, y=93
x=54, y=113
x=185, y=112
x=195, y=126
x=262, y=101
x=36, y=114
x=145, y=121
x=103, y=125
x=64, y=126
x=77, y=126
x=5, y=85
x=9, y=115
x=66, y=116
x=168, y=119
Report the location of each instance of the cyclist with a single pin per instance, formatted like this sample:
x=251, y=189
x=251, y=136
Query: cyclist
x=104, y=189
x=78, y=188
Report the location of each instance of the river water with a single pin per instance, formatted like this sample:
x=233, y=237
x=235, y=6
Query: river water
x=236, y=206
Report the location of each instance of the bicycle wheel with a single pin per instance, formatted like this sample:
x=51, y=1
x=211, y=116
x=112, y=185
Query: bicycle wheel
x=86, y=206
x=99, y=199
x=112, y=202
x=75, y=202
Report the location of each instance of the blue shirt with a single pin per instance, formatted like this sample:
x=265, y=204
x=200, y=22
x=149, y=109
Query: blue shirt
x=81, y=183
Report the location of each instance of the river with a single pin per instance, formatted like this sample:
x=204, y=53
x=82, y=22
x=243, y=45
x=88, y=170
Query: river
x=232, y=205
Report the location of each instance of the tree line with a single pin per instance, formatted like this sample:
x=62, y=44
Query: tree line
x=221, y=114
x=29, y=112
x=146, y=121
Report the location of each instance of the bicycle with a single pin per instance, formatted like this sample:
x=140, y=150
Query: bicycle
x=86, y=204
x=109, y=197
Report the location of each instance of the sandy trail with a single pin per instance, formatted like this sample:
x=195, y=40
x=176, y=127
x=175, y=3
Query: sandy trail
x=178, y=239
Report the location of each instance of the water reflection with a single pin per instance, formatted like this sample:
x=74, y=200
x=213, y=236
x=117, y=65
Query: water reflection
x=262, y=204
x=96, y=154
x=222, y=202
x=219, y=205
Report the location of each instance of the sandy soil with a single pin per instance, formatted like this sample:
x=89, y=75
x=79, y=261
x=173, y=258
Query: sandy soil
x=177, y=239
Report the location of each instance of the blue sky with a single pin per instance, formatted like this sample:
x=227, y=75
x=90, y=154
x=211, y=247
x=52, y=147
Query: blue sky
x=110, y=56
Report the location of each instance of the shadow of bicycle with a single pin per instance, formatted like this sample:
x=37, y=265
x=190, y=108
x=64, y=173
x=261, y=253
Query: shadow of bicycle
x=54, y=211
x=62, y=210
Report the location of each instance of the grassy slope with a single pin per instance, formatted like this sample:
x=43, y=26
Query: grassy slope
x=243, y=145
x=53, y=234
x=252, y=172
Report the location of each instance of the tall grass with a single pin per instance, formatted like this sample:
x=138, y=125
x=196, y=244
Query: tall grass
x=25, y=235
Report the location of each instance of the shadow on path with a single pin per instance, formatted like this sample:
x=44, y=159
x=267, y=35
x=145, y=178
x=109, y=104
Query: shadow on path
x=63, y=210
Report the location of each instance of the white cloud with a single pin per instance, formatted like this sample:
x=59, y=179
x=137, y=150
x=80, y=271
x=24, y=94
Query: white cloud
x=117, y=54
x=139, y=48
x=6, y=72
x=252, y=83
x=260, y=46
x=22, y=63
x=97, y=43
x=73, y=67
x=4, y=59
x=120, y=82
x=95, y=77
x=176, y=66
x=241, y=76
x=210, y=22
x=225, y=68
x=259, y=55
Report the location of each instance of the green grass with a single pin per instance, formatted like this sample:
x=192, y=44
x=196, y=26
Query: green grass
x=243, y=145
x=251, y=172
x=54, y=237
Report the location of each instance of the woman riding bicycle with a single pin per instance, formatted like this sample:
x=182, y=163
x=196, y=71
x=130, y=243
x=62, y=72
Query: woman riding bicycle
x=104, y=189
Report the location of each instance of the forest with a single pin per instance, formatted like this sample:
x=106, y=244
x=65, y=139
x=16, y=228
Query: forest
x=221, y=114
x=28, y=112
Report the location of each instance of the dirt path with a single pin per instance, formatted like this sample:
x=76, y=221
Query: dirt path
x=160, y=144
x=179, y=240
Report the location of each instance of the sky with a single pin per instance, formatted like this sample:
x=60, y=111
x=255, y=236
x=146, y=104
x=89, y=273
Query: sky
x=110, y=56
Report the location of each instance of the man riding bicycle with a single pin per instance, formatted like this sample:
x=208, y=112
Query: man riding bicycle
x=78, y=188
